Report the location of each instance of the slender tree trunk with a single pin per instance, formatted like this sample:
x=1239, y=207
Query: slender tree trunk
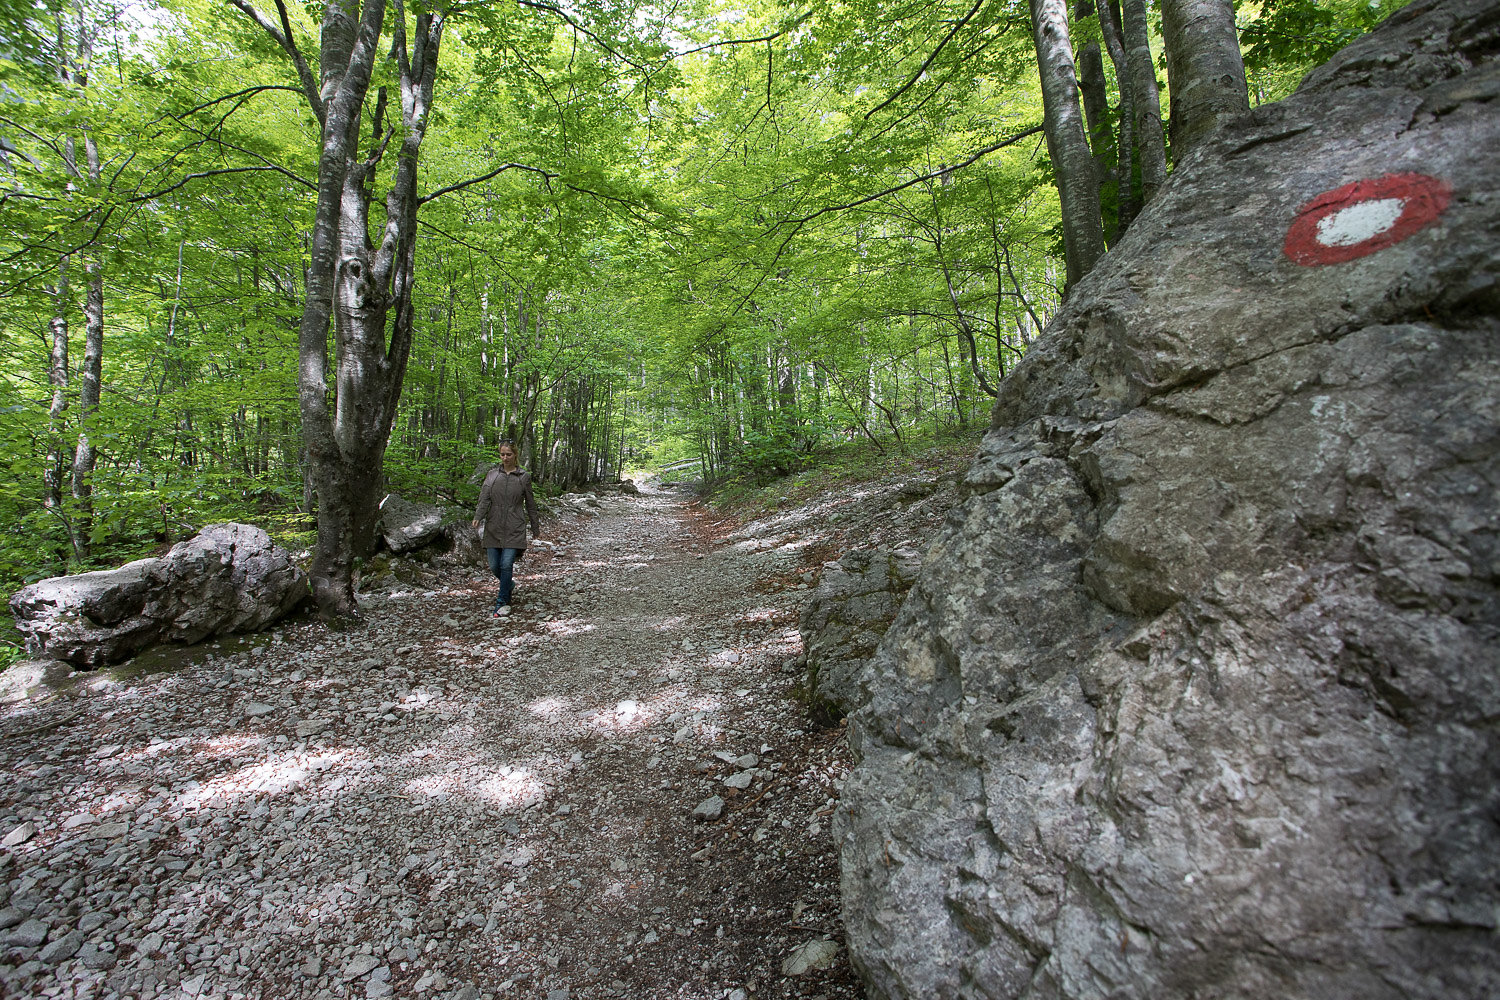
x=953, y=397
x=1072, y=160
x=1095, y=100
x=1146, y=96
x=85, y=456
x=57, y=379
x=1205, y=73
x=1114, y=43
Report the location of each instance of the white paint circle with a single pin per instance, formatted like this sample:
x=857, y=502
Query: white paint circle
x=1359, y=222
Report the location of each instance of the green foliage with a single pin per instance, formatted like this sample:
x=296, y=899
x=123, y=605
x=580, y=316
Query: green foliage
x=723, y=234
x=844, y=466
x=1287, y=38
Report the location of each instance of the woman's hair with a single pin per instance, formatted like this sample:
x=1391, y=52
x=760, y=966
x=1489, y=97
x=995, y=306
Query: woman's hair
x=507, y=443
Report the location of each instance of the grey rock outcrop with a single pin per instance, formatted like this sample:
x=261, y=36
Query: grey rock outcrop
x=844, y=620
x=466, y=549
x=227, y=578
x=1195, y=696
x=406, y=525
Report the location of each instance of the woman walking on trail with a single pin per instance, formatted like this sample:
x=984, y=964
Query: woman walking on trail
x=506, y=490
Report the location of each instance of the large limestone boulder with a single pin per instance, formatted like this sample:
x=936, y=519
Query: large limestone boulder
x=406, y=525
x=1196, y=693
x=844, y=620
x=228, y=578
x=467, y=548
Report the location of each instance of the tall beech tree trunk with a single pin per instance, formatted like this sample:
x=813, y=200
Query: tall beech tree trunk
x=1205, y=73
x=1091, y=86
x=90, y=380
x=361, y=288
x=1146, y=98
x=73, y=56
x=1127, y=205
x=57, y=379
x=1067, y=144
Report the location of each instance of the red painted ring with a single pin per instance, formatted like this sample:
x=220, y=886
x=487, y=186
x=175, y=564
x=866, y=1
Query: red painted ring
x=1423, y=197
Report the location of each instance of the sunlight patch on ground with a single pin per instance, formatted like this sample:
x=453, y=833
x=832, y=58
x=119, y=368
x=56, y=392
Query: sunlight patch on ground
x=633, y=715
x=419, y=698
x=626, y=717
x=516, y=790
x=568, y=626
x=596, y=564
x=280, y=773
x=757, y=545
x=760, y=615
x=506, y=788
x=548, y=708
x=124, y=799
x=228, y=745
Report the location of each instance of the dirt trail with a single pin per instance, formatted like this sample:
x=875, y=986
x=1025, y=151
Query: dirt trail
x=439, y=804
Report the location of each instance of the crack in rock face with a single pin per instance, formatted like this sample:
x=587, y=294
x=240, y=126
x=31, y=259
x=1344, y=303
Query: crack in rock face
x=1195, y=693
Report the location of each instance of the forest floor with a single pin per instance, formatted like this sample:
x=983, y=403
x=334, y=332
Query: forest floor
x=437, y=803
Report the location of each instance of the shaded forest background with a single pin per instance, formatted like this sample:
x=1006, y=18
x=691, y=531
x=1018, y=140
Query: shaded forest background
x=731, y=234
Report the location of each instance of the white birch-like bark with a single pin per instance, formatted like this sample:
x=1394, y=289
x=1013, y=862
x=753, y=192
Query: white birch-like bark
x=1127, y=203
x=1067, y=143
x=57, y=379
x=1150, y=139
x=90, y=382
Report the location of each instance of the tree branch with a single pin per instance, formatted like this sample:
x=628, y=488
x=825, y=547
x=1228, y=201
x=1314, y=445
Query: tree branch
x=546, y=174
x=743, y=41
x=227, y=170
x=912, y=81
x=1008, y=141
x=576, y=26
x=247, y=92
x=288, y=43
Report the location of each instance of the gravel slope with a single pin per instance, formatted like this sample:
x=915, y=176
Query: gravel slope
x=439, y=804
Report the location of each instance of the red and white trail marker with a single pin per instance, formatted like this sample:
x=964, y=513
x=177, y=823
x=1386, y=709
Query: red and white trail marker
x=1358, y=219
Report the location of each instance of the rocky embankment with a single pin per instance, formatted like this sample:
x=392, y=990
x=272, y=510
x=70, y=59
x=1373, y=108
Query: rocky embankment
x=615, y=792
x=1195, y=693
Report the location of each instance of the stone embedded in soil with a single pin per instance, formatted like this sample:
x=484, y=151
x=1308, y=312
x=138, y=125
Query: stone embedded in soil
x=30, y=934
x=817, y=954
x=360, y=965
x=95, y=957
x=709, y=809
x=61, y=949
x=19, y=835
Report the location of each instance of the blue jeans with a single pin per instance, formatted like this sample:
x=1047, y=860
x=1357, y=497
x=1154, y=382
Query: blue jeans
x=501, y=561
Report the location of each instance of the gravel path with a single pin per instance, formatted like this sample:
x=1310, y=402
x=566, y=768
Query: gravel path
x=439, y=804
